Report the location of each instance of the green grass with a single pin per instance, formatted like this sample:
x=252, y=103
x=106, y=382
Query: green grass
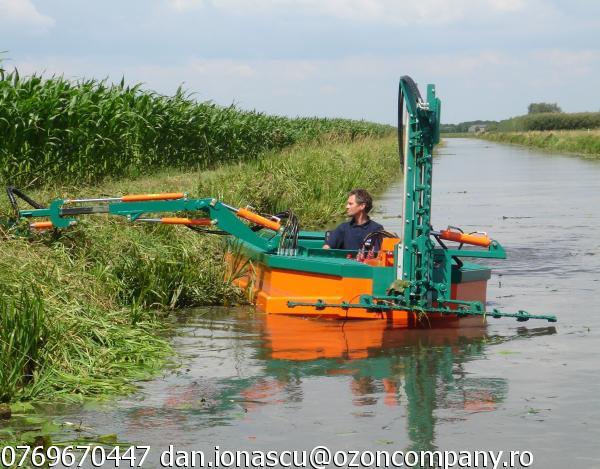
x=313, y=180
x=23, y=332
x=577, y=141
x=73, y=336
x=88, y=305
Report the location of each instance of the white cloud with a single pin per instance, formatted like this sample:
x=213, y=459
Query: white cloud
x=466, y=65
x=508, y=5
x=383, y=11
x=569, y=58
x=565, y=67
x=490, y=83
x=19, y=14
x=221, y=67
x=181, y=5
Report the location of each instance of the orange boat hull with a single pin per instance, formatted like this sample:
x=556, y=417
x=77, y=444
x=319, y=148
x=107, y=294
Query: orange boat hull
x=271, y=289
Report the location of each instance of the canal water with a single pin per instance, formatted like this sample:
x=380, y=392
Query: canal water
x=250, y=382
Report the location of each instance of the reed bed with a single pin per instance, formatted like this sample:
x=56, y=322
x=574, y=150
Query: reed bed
x=56, y=130
x=63, y=332
x=22, y=334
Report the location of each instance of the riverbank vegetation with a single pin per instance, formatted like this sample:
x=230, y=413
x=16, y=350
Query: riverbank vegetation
x=549, y=121
x=540, y=117
x=545, y=126
x=53, y=129
x=83, y=310
x=583, y=142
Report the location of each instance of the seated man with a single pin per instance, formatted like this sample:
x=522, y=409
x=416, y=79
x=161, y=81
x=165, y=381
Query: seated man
x=350, y=235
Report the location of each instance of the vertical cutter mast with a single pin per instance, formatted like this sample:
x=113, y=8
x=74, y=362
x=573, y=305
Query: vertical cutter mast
x=418, y=132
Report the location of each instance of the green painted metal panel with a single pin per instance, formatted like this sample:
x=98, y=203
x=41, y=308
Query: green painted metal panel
x=383, y=277
x=421, y=132
x=470, y=272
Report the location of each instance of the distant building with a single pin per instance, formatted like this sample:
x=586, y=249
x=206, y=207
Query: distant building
x=477, y=128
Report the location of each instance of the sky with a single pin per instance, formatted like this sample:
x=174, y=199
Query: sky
x=336, y=58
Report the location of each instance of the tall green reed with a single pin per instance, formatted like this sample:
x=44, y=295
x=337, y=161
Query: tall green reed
x=58, y=130
x=23, y=333
x=312, y=180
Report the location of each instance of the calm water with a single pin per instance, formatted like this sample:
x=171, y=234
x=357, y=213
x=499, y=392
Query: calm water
x=254, y=382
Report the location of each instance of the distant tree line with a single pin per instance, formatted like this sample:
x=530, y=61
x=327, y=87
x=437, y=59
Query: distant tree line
x=540, y=116
x=539, y=108
x=463, y=127
x=551, y=121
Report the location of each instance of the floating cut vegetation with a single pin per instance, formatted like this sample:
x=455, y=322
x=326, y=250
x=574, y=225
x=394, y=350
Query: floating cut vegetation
x=59, y=130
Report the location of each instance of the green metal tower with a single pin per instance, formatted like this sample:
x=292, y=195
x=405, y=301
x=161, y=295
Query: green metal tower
x=418, y=132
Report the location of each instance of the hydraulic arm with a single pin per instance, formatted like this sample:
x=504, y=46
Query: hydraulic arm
x=61, y=213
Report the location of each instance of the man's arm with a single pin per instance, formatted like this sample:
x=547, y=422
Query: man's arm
x=334, y=240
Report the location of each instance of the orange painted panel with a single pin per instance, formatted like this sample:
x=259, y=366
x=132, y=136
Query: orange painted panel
x=273, y=288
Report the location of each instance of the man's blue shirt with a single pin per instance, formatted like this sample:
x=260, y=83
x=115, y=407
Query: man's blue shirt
x=349, y=235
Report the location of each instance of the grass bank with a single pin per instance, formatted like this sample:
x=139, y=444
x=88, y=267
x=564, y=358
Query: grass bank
x=83, y=310
x=583, y=142
x=456, y=135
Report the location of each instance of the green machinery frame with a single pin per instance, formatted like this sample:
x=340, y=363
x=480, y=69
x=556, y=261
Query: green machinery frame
x=416, y=259
x=61, y=213
x=416, y=254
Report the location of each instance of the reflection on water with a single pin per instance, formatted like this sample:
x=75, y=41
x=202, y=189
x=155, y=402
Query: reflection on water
x=414, y=369
x=260, y=364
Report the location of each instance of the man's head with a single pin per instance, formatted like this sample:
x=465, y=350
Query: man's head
x=359, y=200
